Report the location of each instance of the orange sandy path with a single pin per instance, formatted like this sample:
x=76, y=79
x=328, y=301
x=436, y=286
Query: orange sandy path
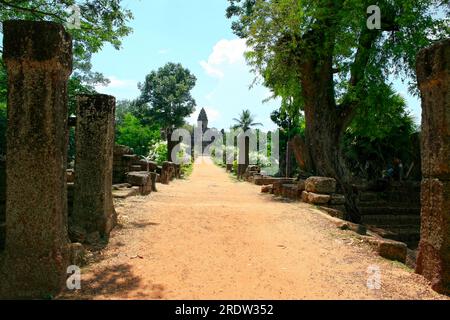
x=210, y=237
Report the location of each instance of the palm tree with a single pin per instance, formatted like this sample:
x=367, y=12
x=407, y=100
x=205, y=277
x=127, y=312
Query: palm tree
x=245, y=122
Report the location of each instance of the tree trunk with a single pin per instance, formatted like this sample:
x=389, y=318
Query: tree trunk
x=325, y=123
x=301, y=154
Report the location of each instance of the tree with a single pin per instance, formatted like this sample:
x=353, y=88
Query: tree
x=101, y=21
x=380, y=133
x=166, y=99
x=336, y=58
x=245, y=122
x=292, y=126
x=136, y=136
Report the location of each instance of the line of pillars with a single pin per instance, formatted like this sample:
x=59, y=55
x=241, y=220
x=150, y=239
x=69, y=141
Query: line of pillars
x=38, y=58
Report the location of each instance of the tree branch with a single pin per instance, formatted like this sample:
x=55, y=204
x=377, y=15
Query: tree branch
x=30, y=10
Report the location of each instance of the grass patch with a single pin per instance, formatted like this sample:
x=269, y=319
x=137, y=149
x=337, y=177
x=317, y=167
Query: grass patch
x=186, y=170
x=401, y=266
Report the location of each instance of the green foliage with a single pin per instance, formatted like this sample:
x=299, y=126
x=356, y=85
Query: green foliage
x=235, y=167
x=308, y=51
x=135, y=135
x=280, y=33
x=381, y=131
x=186, y=170
x=166, y=96
x=158, y=152
x=245, y=121
x=76, y=87
x=102, y=21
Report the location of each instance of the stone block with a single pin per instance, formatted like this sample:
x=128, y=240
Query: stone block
x=320, y=185
x=314, y=198
x=393, y=250
x=142, y=179
x=266, y=189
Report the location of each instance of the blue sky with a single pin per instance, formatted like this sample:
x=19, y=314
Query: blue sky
x=197, y=35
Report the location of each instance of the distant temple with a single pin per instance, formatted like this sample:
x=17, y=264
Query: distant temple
x=203, y=118
x=203, y=121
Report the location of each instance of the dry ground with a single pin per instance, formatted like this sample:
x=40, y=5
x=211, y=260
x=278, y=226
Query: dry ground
x=210, y=237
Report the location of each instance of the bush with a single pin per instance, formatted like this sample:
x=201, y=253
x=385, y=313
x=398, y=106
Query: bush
x=158, y=152
x=133, y=134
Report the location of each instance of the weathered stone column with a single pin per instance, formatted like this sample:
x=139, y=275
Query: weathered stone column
x=93, y=210
x=433, y=74
x=38, y=57
x=2, y=203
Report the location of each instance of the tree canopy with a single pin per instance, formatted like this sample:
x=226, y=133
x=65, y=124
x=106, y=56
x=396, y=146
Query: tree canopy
x=323, y=55
x=101, y=22
x=166, y=99
x=166, y=95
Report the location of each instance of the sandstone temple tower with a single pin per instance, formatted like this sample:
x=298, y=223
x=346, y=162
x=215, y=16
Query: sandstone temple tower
x=203, y=118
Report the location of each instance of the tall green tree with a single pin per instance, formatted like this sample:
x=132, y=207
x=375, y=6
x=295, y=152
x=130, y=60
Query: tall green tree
x=336, y=58
x=166, y=99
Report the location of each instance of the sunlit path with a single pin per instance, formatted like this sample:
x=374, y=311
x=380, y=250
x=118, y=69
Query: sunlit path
x=210, y=237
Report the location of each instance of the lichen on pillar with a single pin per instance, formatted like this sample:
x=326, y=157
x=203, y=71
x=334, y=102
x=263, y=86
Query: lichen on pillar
x=38, y=58
x=93, y=211
x=433, y=75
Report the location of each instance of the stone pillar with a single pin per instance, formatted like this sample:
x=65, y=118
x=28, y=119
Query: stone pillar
x=2, y=203
x=165, y=172
x=433, y=74
x=93, y=210
x=38, y=57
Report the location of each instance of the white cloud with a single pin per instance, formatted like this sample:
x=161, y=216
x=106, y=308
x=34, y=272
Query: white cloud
x=225, y=52
x=116, y=83
x=120, y=88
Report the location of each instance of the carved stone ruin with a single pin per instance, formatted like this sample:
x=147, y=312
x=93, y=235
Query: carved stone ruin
x=141, y=179
x=93, y=215
x=433, y=75
x=38, y=57
x=167, y=172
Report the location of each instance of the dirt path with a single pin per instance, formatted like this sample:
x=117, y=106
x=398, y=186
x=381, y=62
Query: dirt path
x=210, y=237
